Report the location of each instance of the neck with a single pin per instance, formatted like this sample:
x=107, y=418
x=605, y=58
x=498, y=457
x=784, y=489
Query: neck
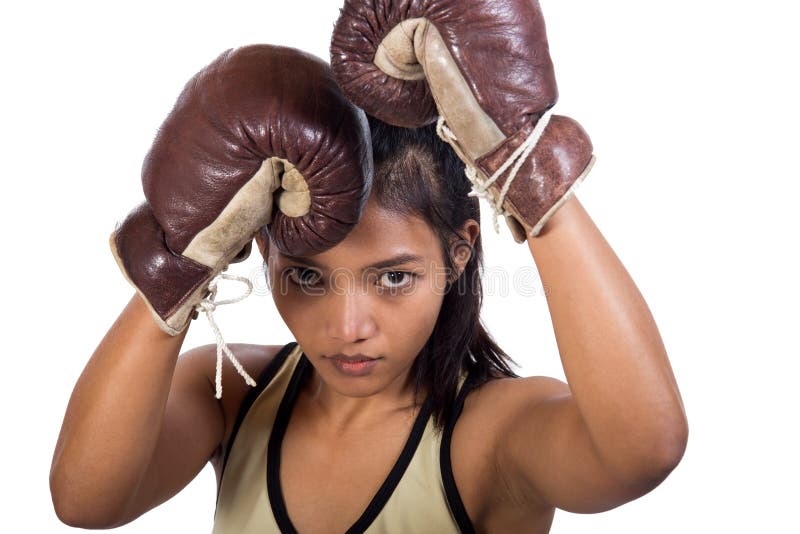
x=343, y=413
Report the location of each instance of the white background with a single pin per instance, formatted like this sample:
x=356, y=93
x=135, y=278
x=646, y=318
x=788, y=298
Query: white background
x=692, y=107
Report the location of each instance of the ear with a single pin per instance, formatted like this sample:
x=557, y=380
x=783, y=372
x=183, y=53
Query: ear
x=262, y=240
x=461, y=249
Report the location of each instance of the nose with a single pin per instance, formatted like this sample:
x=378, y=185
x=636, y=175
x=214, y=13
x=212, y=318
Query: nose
x=350, y=318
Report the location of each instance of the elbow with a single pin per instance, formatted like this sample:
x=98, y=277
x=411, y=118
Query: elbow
x=74, y=511
x=671, y=444
x=77, y=516
x=77, y=519
x=680, y=439
x=658, y=459
x=85, y=517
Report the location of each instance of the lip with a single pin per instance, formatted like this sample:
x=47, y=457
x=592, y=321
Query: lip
x=356, y=365
x=353, y=358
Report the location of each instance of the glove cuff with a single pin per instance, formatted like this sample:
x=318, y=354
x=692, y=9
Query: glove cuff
x=170, y=284
x=546, y=178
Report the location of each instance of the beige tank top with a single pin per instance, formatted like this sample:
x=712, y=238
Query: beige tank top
x=418, y=496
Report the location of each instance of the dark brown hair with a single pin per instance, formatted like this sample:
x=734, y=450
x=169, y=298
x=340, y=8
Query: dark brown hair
x=417, y=174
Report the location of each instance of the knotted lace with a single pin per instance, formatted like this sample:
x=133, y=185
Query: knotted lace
x=208, y=305
x=480, y=187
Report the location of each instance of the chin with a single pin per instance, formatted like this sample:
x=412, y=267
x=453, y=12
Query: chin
x=350, y=386
x=378, y=379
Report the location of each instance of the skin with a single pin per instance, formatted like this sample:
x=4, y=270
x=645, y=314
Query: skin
x=355, y=308
x=609, y=436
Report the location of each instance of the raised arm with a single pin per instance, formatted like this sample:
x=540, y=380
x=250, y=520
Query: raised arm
x=619, y=428
x=261, y=137
x=127, y=442
x=483, y=69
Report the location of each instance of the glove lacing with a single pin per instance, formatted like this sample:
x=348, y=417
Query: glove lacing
x=208, y=306
x=479, y=186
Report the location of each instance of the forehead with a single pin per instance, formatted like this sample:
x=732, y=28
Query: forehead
x=381, y=234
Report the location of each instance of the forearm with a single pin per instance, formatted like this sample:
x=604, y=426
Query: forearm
x=114, y=415
x=613, y=357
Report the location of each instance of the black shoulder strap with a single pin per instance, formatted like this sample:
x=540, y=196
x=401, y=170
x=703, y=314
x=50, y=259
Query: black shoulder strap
x=450, y=489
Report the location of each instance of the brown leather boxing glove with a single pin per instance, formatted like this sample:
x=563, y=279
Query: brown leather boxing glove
x=484, y=69
x=261, y=136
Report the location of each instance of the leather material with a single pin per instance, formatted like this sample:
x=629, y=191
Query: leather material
x=165, y=279
x=500, y=47
x=250, y=104
x=261, y=136
x=560, y=156
x=488, y=73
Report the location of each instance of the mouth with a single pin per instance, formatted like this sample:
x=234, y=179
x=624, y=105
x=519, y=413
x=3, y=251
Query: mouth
x=352, y=359
x=356, y=365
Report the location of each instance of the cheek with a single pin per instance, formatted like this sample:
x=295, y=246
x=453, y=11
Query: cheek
x=303, y=321
x=287, y=303
x=425, y=304
x=412, y=322
x=297, y=311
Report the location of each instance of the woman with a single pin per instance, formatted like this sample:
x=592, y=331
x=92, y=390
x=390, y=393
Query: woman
x=518, y=449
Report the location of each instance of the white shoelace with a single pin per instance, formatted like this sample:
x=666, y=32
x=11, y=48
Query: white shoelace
x=480, y=187
x=208, y=306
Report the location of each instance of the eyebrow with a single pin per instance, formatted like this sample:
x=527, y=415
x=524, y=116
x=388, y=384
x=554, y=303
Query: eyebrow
x=389, y=262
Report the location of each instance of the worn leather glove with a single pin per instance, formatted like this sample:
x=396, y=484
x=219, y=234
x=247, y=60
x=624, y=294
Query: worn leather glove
x=484, y=69
x=261, y=136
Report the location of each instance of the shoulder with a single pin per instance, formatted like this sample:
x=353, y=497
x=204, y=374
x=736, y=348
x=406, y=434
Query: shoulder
x=495, y=403
x=497, y=396
x=489, y=410
x=199, y=365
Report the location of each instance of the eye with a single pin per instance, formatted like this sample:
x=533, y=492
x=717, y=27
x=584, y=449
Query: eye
x=303, y=277
x=396, y=279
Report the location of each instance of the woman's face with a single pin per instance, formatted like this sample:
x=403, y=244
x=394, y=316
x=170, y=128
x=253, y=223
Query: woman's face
x=377, y=293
